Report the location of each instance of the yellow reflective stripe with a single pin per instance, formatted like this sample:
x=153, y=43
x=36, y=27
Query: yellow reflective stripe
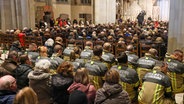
x=136, y=84
x=168, y=89
x=140, y=93
x=123, y=85
x=155, y=94
x=96, y=82
x=173, y=81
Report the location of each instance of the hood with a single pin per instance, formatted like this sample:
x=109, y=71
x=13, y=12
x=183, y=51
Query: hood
x=111, y=89
x=38, y=75
x=78, y=86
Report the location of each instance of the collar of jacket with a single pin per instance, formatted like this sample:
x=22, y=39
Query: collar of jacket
x=96, y=58
x=87, y=47
x=70, y=45
x=105, y=51
x=149, y=55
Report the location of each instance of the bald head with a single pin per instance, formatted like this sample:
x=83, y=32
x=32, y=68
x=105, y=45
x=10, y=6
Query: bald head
x=8, y=82
x=153, y=51
x=130, y=48
x=107, y=46
x=89, y=44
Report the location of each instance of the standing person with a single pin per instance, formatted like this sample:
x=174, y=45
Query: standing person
x=8, y=89
x=156, y=88
x=60, y=83
x=39, y=81
x=112, y=92
x=52, y=22
x=26, y=96
x=82, y=83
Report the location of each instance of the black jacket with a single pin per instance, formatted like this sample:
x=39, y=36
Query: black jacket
x=60, y=85
x=21, y=73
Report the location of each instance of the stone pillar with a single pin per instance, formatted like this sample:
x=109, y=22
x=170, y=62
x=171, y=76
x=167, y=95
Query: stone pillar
x=17, y=14
x=105, y=11
x=176, y=26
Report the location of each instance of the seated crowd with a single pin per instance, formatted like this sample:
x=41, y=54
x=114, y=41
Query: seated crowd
x=64, y=72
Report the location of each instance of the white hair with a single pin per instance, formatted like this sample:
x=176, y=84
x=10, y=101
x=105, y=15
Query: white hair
x=42, y=65
x=49, y=42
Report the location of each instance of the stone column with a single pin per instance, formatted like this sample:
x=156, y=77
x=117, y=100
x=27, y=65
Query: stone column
x=176, y=26
x=17, y=14
x=105, y=11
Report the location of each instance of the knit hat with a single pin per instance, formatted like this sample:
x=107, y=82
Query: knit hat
x=78, y=97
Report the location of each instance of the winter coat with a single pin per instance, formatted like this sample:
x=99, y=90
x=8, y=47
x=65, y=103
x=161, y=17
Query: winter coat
x=40, y=83
x=112, y=94
x=88, y=89
x=7, y=97
x=21, y=73
x=60, y=84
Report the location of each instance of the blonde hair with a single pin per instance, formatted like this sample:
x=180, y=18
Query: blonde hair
x=26, y=96
x=42, y=51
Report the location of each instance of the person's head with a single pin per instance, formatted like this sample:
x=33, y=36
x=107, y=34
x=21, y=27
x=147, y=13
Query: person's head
x=8, y=82
x=97, y=50
x=32, y=47
x=59, y=40
x=49, y=42
x=178, y=55
x=112, y=77
x=130, y=48
x=107, y=46
x=16, y=44
x=13, y=55
x=81, y=76
x=122, y=58
x=42, y=65
x=89, y=44
x=43, y=51
x=71, y=41
x=153, y=51
x=26, y=96
x=24, y=59
x=58, y=49
x=66, y=69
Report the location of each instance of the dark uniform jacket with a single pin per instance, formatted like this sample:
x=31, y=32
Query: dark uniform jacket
x=176, y=73
x=132, y=59
x=67, y=52
x=129, y=80
x=97, y=70
x=145, y=64
x=108, y=58
x=156, y=87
